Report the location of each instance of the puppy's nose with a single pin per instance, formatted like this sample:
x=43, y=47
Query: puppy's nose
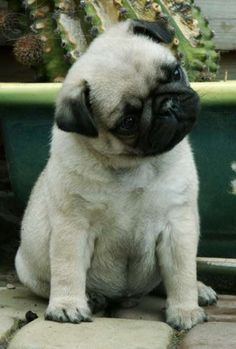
x=170, y=104
x=166, y=107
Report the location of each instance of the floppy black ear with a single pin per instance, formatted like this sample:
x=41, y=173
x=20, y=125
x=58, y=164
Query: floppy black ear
x=73, y=113
x=159, y=30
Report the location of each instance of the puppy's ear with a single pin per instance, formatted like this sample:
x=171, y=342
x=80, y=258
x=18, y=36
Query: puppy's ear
x=159, y=30
x=73, y=113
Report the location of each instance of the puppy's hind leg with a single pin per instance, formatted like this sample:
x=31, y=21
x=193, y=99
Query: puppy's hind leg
x=206, y=294
x=40, y=287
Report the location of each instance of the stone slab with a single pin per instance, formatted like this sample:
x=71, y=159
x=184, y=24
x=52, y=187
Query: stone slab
x=103, y=333
x=153, y=308
x=150, y=308
x=212, y=335
x=8, y=325
x=14, y=304
x=224, y=310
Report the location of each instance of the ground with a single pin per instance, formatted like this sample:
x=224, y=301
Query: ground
x=22, y=325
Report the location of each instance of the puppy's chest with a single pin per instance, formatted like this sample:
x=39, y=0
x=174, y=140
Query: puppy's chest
x=119, y=210
x=129, y=204
x=124, y=259
x=127, y=221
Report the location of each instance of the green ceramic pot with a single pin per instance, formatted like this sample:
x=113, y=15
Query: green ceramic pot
x=26, y=113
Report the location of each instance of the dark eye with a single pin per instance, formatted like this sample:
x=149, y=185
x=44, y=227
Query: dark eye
x=128, y=125
x=177, y=74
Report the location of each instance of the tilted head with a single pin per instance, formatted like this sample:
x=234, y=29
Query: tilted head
x=127, y=95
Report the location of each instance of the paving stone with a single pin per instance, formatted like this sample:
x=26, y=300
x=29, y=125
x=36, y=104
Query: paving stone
x=212, y=335
x=14, y=303
x=150, y=308
x=224, y=310
x=118, y=332
x=102, y=333
x=153, y=308
x=8, y=325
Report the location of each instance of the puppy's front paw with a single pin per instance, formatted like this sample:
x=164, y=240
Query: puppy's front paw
x=206, y=295
x=62, y=311
x=181, y=318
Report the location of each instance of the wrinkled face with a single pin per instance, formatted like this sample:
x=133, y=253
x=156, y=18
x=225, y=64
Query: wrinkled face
x=127, y=95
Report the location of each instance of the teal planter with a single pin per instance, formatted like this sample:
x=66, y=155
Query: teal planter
x=26, y=112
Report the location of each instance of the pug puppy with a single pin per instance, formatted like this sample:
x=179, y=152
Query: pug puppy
x=115, y=210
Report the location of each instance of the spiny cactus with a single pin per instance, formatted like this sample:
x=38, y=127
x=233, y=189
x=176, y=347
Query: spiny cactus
x=194, y=39
x=66, y=27
x=29, y=50
x=12, y=25
x=44, y=26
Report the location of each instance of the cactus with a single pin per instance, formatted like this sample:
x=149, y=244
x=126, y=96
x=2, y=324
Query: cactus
x=12, y=25
x=28, y=50
x=44, y=26
x=66, y=27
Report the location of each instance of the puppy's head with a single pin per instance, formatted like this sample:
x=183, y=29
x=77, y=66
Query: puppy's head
x=127, y=95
